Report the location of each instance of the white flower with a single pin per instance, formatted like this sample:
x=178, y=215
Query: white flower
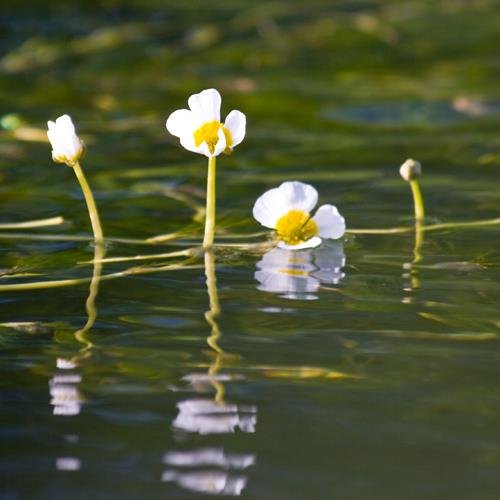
x=66, y=146
x=287, y=210
x=200, y=129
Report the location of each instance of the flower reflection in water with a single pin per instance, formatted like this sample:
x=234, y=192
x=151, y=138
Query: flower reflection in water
x=211, y=470
x=299, y=274
x=216, y=481
x=205, y=416
x=66, y=397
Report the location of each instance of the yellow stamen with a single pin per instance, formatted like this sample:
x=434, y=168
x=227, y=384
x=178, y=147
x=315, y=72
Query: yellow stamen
x=209, y=133
x=296, y=227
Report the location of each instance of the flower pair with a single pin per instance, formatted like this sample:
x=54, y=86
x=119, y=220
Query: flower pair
x=199, y=129
x=286, y=208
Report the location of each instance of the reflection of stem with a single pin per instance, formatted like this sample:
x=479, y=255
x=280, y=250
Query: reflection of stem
x=215, y=333
x=419, y=241
x=80, y=335
x=418, y=201
x=91, y=206
x=208, y=239
x=411, y=268
x=417, y=255
x=213, y=296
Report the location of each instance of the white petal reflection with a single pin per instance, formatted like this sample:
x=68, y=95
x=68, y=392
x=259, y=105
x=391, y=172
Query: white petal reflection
x=205, y=416
x=299, y=274
x=212, y=482
x=65, y=397
x=65, y=364
x=68, y=463
x=207, y=457
x=329, y=261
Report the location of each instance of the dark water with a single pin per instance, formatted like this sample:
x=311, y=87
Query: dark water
x=372, y=373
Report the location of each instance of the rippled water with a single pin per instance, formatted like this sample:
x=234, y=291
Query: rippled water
x=364, y=368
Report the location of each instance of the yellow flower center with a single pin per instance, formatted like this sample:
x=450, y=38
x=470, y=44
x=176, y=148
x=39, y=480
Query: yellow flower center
x=296, y=227
x=209, y=133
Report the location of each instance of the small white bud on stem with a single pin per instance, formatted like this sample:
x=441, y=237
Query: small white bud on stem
x=410, y=170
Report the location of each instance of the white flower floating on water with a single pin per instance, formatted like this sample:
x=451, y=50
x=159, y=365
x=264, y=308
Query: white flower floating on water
x=200, y=129
x=287, y=210
x=66, y=145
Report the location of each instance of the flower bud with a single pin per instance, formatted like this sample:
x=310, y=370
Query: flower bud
x=66, y=146
x=410, y=170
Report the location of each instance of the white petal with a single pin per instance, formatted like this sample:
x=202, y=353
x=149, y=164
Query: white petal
x=206, y=105
x=180, y=122
x=52, y=133
x=330, y=223
x=298, y=196
x=310, y=243
x=275, y=203
x=236, y=124
x=62, y=136
x=268, y=208
x=64, y=122
x=221, y=143
x=187, y=142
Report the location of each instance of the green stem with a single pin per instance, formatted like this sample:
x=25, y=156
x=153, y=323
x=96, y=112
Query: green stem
x=132, y=271
x=91, y=206
x=53, y=221
x=208, y=239
x=418, y=201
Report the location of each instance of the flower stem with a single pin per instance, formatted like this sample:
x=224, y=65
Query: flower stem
x=208, y=239
x=418, y=201
x=91, y=206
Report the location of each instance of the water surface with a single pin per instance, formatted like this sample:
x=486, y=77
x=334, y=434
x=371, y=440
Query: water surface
x=365, y=368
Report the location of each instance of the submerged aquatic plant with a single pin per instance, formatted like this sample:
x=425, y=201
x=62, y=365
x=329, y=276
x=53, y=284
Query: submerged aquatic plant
x=287, y=210
x=200, y=130
x=68, y=148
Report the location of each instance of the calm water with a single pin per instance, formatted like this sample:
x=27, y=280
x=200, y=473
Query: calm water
x=367, y=368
